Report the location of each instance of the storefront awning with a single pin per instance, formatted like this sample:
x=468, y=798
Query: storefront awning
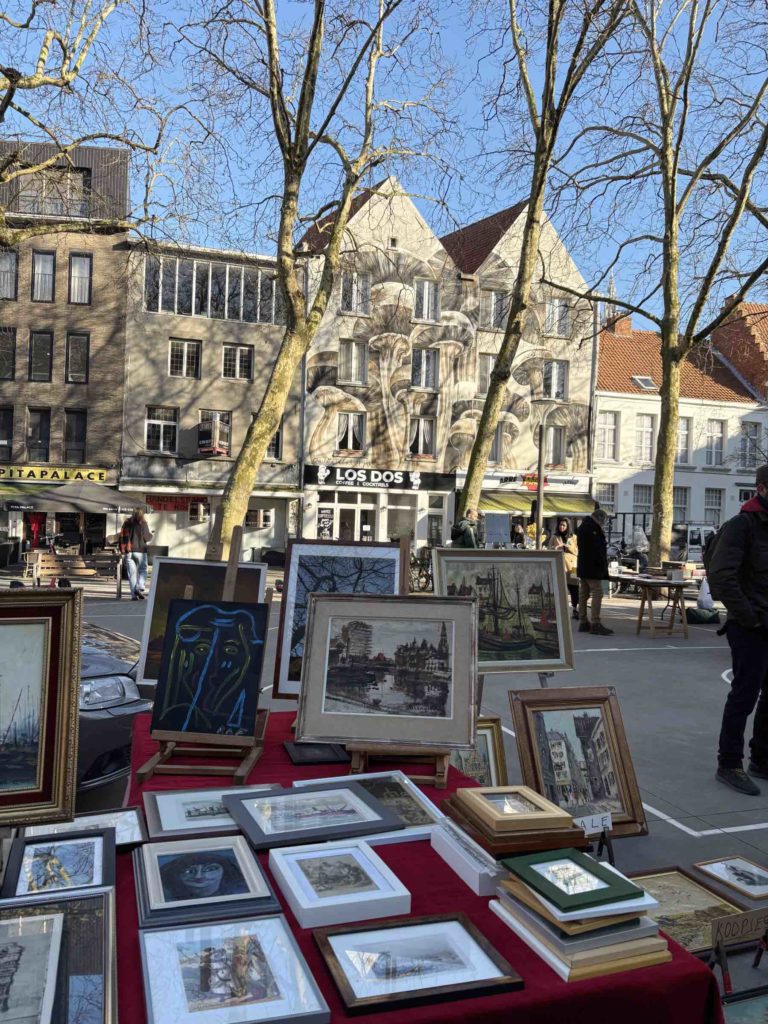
x=81, y=496
x=554, y=504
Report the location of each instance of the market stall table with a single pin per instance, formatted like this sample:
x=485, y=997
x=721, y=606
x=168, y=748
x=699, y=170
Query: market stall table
x=681, y=992
x=650, y=587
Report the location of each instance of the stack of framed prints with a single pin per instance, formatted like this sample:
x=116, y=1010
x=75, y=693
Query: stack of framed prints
x=335, y=883
x=416, y=812
x=249, y=970
x=187, y=812
x=573, y=750
x=506, y=820
x=414, y=960
x=469, y=860
x=38, y=867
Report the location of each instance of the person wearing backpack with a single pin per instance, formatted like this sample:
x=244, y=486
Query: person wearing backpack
x=737, y=570
x=464, y=530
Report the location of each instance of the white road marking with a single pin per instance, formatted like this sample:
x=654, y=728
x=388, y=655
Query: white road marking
x=727, y=676
x=656, y=647
x=507, y=731
x=673, y=821
x=707, y=831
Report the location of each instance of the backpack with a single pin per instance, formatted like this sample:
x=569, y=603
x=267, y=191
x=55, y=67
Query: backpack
x=709, y=552
x=457, y=532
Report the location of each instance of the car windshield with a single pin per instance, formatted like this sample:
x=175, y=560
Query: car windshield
x=107, y=642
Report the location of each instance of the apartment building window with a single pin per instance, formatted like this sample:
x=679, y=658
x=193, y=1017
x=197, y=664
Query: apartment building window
x=605, y=496
x=683, y=455
x=424, y=368
x=607, y=435
x=184, y=359
x=259, y=518
x=644, y=431
x=151, y=283
x=9, y=273
x=713, y=505
x=421, y=440
x=238, y=362
x=642, y=498
x=185, y=287
x=355, y=292
x=495, y=309
x=350, y=432
x=234, y=293
x=218, y=304
x=80, y=277
x=715, y=438
x=496, y=454
x=43, y=276
x=75, y=421
x=746, y=494
x=557, y=318
x=485, y=363
x=202, y=285
x=77, y=358
x=750, y=450
x=275, y=447
x=220, y=437
x=38, y=434
x=680, y=503
x=40, y=355
x=555, y=450
x=168, y=286
x=6, y=433
x=427, y=302
x=353, y=362
x=7, y=353
x=56, y=192
x=161, y=429
x=556, y=379
x=199, y=512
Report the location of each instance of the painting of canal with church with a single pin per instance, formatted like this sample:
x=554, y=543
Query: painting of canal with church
x=22, y=682
x=390, y=667
x=522, y=612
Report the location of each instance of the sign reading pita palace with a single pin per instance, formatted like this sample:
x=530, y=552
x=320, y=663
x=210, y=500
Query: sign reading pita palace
x=54, y=474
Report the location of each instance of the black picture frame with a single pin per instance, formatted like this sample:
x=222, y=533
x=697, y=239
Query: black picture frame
x=70, y=829
x=260, y=840
x=16, y=857
x=317, y=753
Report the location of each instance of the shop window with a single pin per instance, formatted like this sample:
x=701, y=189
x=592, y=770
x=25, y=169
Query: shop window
x=38, y=434
x=75, y=425
x=40, y=355
x=259, y=518
x=350, y=432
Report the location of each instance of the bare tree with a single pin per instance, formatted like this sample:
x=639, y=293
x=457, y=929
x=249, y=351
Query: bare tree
x=327, y=98
x=674, y=179
x=571, y=38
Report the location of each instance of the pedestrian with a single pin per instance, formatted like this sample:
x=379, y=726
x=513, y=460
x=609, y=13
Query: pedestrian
x=738, y=576
x=135, y=535
x=464, y=530
x=564, y=539
x=518, y=536
x=592, y=569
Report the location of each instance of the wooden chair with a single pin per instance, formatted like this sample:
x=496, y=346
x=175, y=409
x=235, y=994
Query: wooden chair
x=29, y=558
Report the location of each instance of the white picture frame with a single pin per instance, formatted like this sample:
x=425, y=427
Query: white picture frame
x=372, y=782
x=358, y=886
x=173, y=998
x=77, y=860
x=739, y=873
x=474, y=866
x=31, y=994
x=173, y=813
x=126, y=821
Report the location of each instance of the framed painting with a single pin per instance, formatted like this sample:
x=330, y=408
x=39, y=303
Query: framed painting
x=524, y=619
x=687, y=906
x=29, y=959
x=128, y=823
x=39, y=697
x=85, y=975
x=170, y=578
x=738, y=873
x=415, y=960
x=571, y=880
x=43, y=866
x=325, y=567
x=210, y=675
x=504, y=809
x=188, y=812
x=573, y=750
x=485, y=762
x=229, y=973
x=391, y=670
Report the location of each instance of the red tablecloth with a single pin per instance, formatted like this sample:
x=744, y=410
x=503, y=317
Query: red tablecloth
x=681, y=992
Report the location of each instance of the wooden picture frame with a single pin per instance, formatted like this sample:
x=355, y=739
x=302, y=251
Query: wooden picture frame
x=194, y=821
x=490, y=770
x=554, y=740
x=743, y=889
x=56, y=868
x=549, y=875
x=502, y=809
x=287, y=684
x=40, y=636
x=89, y=820
x=524, y=624
x=441, y=928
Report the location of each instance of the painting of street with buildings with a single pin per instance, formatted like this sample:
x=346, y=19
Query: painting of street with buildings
x=576, y=761
x=389, y=667
x=522, y=608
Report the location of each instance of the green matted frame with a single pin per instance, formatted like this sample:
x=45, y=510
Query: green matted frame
x=614, y=889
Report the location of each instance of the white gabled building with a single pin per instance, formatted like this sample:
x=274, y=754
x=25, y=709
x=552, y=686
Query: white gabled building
x=720, y=439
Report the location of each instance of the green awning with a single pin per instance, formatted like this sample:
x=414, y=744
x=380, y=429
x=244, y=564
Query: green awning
x=554, y=504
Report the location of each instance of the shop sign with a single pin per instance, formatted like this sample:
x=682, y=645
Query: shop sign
x=529, y=481
x=325, y=523
x=172, y=502
x=379, y=479
x=54, y=474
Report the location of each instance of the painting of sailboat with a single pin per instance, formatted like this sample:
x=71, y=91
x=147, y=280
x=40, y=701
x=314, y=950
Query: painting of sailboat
x=523, y=621
x=22, y=682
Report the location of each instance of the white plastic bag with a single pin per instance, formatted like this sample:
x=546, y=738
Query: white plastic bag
x=705, y=597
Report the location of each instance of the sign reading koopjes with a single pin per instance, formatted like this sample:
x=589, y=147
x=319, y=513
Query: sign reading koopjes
x=54, y=474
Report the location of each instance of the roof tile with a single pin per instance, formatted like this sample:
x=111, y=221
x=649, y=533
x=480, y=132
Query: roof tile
x=469, y=246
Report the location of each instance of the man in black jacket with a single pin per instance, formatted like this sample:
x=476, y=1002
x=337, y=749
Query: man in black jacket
x=738, y=575
x=592, y=569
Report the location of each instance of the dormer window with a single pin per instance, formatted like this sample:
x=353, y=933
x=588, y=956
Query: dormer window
x=646, y=383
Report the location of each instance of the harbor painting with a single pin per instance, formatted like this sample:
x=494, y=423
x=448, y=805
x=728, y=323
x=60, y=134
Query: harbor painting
x=389, y=667
x=22, y=686
x=523, y=619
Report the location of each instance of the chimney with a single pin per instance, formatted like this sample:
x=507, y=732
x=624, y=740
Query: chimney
x=620, y=324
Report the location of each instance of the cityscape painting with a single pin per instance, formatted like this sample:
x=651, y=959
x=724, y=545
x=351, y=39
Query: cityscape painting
x=523, y=619
x=389, y=667
x=317, y=568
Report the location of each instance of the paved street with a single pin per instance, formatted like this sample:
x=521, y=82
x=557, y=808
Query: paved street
x=671, y=693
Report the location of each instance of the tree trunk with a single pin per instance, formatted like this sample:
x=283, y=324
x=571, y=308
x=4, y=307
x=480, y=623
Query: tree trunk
x=666, y=454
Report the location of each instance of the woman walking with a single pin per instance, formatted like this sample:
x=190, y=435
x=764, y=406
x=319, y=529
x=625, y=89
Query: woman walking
x=563, y=539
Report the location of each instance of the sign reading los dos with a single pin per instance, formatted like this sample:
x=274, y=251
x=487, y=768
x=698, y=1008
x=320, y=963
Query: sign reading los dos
x=54, y=474
x=396, y=479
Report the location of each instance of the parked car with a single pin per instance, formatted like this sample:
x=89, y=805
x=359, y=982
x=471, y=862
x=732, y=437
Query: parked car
x=109, y=700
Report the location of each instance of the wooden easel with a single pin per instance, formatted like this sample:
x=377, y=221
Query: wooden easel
x=246, y=749
x=437, y=757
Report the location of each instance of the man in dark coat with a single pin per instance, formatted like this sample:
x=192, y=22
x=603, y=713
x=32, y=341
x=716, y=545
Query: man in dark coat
x=738, y=576
x=464, y=531
x=592, y=569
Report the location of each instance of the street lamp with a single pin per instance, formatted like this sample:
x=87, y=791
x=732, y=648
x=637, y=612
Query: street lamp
x=554, y=403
